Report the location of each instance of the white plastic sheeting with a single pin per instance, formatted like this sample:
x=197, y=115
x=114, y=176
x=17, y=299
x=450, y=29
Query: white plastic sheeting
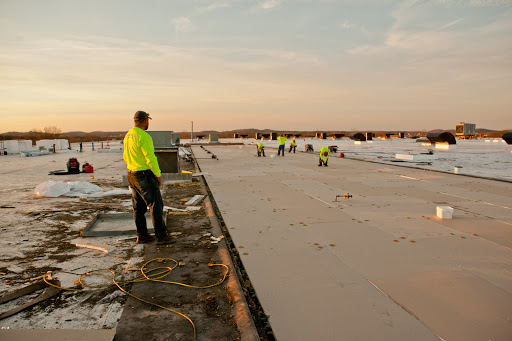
x=55, y=189
x=183, y=152
x=51, y=189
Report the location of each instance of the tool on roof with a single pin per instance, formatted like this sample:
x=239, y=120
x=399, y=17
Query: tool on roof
x=344, y=196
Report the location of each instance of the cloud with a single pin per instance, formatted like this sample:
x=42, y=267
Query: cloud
x=455, y=22
x=183, y=24
x=215, y=5
x=270, y=4
x=346, y=25
x=475, y=3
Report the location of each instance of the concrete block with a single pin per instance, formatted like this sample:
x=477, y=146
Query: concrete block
x=457, y=169
x=444, y=212
x=416, y=157
x=445, y=146
x=195, y=200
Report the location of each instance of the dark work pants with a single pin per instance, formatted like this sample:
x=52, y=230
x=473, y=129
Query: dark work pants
x=281, y=149
x=261, y=151
x=146, y=193
x=292, y=147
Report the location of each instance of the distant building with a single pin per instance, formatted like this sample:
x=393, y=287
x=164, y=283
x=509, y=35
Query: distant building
x=465, y=129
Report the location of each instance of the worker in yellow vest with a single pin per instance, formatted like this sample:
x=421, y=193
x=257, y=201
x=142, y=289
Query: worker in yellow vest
x=324, y=155
x=261, y=149
x=144, y=178
x=282, y=141
x=293, y=145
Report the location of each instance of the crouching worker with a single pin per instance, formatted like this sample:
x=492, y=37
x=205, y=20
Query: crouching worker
x=261, y=149
x=144, y=179
x=293, y=145
x=324, y=155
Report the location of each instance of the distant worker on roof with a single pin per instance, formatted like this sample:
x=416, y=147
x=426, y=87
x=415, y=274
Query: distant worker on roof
x=144, y=179
x=282, y=140
x=324, y=155
x=293, y=145
x=261, y=149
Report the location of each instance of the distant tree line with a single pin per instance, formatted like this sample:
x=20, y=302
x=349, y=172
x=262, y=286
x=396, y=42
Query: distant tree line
x=53, y=132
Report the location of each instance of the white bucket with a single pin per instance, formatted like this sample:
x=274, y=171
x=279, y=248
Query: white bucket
x=444, y=212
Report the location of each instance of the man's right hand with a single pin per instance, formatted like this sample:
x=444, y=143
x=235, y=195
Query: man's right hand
x=159, y=179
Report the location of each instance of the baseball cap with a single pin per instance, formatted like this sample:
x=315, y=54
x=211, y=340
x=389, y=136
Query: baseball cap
x=141, y=116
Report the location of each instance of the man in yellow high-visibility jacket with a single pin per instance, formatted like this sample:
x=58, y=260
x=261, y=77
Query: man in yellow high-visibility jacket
x=324, y=155
x=282, y=141
x=144, y=177
x=261, y=149
x=293, y=145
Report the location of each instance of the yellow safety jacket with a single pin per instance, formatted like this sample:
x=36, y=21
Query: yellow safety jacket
x=293, y=143
x=139, y=153
x=282, y=140
x=260, y=146
x=322, y=156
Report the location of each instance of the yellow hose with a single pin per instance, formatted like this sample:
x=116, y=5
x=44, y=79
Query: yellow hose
x=153, y=275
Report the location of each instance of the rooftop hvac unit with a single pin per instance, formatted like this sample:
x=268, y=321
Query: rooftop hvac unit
x=161, y=139
x=465, y=129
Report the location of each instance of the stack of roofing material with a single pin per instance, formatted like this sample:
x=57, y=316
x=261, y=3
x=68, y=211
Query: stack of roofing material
x=25, y=145
x=64, y=144
x=60, y=144
x=46, y=144
x=11, y=146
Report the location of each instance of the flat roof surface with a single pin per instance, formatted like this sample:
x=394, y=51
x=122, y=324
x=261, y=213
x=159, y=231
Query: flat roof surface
x=377, y=266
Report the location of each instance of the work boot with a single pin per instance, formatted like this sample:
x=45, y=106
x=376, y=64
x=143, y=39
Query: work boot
x=145, y=238
x=326, y=164
x=320, y=164
x=164, y=240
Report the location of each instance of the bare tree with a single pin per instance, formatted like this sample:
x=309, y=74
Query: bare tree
x=35, y=134
x=51, y=132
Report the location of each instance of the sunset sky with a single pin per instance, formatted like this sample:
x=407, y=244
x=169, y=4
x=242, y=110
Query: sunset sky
x=280, y=64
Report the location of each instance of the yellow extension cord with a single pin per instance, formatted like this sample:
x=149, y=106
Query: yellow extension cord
x=153, y=275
